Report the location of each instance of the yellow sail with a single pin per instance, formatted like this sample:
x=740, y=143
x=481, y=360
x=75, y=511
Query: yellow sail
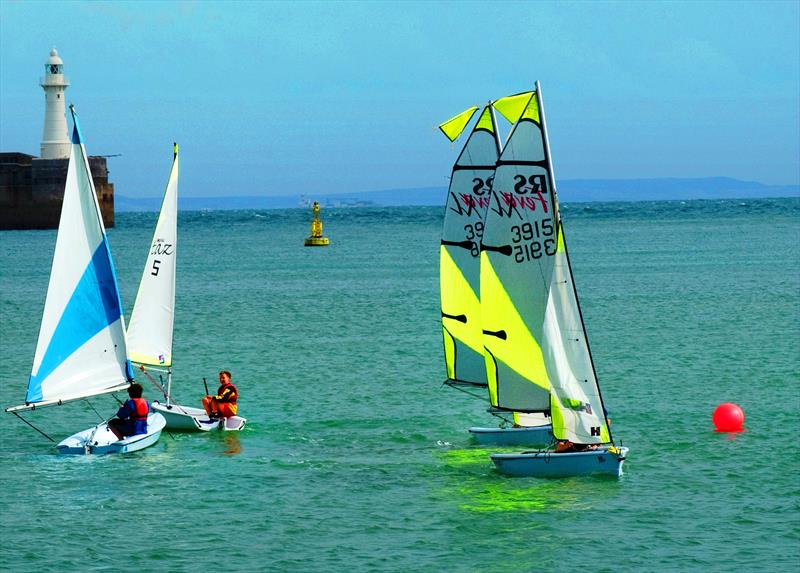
x=453, y=127
x=459, y=267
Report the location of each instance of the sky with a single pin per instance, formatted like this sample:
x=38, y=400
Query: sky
x=274, y=98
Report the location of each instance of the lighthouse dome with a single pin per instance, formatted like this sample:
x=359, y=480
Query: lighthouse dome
x=54, y=59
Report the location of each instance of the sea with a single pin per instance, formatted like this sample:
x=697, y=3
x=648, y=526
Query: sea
x=356, y=457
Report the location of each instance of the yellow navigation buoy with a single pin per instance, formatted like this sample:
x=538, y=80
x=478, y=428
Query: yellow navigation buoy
x=316, y=239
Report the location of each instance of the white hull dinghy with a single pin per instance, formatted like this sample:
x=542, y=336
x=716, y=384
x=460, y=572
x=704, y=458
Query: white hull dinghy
x=153, y=317
x=186, y=419
x=101, y=440
x=534, y=338
x=82, y=350
x=532, y=430
x=549, y=464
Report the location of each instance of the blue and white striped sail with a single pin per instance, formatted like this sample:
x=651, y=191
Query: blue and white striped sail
x=81, y=350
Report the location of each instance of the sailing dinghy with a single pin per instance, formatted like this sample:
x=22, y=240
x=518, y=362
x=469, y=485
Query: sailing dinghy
x=153, y=317
x=81, y=351
x=537, y=353
x=459, y=275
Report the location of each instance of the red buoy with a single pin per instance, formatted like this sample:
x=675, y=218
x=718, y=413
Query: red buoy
x=728, y=417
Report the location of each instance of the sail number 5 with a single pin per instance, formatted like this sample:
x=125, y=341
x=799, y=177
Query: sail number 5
x=527, y=246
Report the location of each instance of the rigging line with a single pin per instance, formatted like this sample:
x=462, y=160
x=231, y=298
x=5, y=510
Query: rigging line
x=170, y=398
x=34, y=427
x=501, y=416
x=152, y=380
x=497, y=414
x=167, y=396
x=479, y=397
x=95, y=411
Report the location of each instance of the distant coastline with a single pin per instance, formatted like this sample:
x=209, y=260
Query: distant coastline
x=570, y=191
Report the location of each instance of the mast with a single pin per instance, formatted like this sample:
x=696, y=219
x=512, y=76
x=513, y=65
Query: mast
x=548, y=155
x=169, y=370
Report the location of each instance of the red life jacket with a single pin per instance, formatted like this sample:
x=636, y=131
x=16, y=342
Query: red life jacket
x=141, y=409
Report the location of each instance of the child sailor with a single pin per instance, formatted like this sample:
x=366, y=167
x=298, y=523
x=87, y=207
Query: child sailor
x=224, y=403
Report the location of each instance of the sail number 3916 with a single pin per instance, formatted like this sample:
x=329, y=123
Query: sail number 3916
x=531, y=240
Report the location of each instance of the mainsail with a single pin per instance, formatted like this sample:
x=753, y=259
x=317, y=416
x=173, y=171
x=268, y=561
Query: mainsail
x=537, y=355
x=152, y=320
x=467, y=199
x=81, y=349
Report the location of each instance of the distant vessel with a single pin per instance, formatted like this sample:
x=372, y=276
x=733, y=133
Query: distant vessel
x=459, y=275
x=81, y=351
x=316, y=239
x=151, y=328
x=537, y=352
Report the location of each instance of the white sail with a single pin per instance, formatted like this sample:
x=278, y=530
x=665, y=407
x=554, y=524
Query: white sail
x=81, y=349
x=459, y=266
x=576, y=406
x=151, y=325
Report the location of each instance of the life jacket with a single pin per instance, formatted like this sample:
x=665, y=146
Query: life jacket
x=233, y=393
x=140, y=409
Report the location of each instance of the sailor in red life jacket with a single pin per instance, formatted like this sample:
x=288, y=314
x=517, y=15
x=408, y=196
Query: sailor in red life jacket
x=224, y=404
x=132, y=416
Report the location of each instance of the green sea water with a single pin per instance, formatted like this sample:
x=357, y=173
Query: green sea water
x=356, y=458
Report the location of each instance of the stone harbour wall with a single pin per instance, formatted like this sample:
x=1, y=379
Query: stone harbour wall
x=31, y=190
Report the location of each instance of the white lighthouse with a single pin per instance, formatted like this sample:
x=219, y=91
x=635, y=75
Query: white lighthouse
x=55, y=141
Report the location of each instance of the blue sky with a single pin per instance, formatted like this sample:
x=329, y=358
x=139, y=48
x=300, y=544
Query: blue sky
x=303, y=97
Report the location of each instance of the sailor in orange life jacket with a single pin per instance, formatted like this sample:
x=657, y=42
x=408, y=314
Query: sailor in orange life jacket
x=132, y=416
x=224, y=403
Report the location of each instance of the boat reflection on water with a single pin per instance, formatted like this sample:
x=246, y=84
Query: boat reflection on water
x=232, y=444
x=477, y=487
